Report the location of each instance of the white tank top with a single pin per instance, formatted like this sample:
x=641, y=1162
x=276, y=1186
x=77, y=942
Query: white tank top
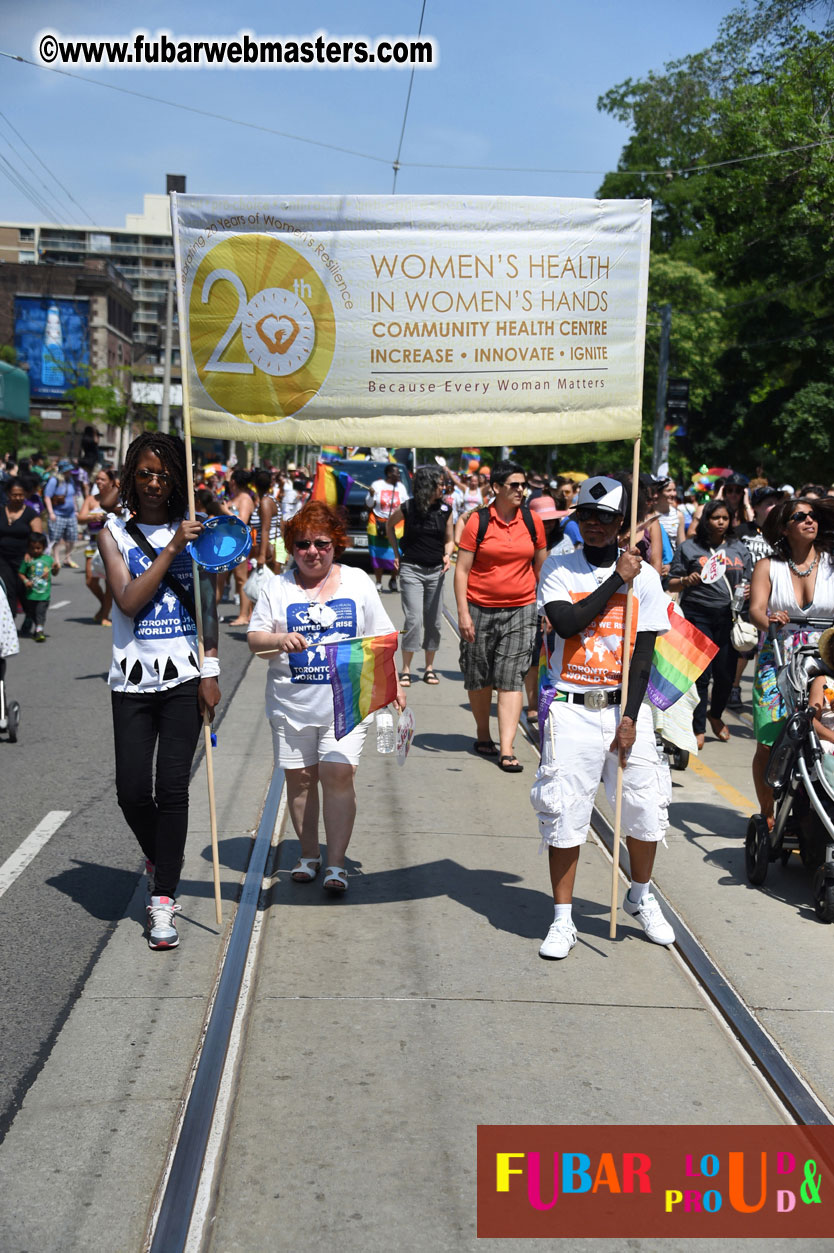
x=782, y=595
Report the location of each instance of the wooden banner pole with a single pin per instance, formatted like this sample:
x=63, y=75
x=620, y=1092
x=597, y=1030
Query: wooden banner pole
x=618, y=808
x=189, y=469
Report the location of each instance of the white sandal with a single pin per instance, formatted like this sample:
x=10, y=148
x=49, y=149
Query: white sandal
x=335, y=879
x=305, y=869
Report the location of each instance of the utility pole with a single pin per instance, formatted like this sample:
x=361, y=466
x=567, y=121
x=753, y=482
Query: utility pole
x=662, y=383
x=165, y=415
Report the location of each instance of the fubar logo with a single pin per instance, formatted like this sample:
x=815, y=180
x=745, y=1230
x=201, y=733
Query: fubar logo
x=262, y=327
x=683, y=1181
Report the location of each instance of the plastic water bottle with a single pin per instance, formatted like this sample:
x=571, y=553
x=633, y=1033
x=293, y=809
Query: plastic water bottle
x=739, y=597
x=384, y=731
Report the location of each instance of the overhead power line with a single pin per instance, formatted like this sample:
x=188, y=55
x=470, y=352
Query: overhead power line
x=53, y=176
x=407, y=103
x=188, y=108
x=31, y=193
x=37, y=177
x=666, y=171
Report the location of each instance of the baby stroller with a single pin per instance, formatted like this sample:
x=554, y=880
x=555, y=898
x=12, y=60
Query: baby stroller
x=803, y=791
x=9, y=710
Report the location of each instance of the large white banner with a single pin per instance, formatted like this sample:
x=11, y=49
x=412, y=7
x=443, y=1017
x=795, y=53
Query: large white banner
x=403, y=320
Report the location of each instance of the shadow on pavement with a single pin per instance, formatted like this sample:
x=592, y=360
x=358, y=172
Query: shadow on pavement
x=434, y=742
x=790, y=884
x=520, y=911
x=103, y=891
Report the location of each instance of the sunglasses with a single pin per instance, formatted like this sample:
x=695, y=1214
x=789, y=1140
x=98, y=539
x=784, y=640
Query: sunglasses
x=145, y=476
x=321, y=544
x=799, y=516
x=587, y=513
x=516, y=487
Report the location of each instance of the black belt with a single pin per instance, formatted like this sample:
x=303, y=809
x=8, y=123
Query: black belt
x=592, y=700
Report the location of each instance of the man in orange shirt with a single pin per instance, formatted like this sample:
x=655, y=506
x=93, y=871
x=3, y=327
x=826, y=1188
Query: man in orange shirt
x=502, y=550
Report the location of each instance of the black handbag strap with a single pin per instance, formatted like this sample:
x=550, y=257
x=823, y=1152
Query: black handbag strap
x=170, y=580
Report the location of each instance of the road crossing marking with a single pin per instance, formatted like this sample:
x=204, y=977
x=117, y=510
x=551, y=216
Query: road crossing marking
x=15, y=865
x=61, y=603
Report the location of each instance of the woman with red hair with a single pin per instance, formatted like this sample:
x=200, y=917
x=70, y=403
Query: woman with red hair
x=316, y=601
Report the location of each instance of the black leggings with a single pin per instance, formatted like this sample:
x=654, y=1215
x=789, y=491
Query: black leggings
x=157, y=811
x=716, y=624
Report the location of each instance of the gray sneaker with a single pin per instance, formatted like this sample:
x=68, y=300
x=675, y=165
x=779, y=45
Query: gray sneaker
x=649, y=915
x=559, y=940
x=162, y=929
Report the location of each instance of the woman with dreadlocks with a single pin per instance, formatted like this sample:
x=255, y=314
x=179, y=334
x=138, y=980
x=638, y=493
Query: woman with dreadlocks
x=159, y=691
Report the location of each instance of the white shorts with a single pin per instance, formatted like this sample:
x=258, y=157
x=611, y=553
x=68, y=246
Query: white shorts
x=295, y=748
x=578, y=758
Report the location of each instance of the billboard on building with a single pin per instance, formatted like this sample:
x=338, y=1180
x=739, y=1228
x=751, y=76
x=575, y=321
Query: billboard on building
x=52, y=340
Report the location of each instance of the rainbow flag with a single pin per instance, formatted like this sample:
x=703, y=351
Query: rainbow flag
x=331, y=452
x=363, y=675
x=546, y=690
x=544, y=662
x=680, y=656
x=381, y=552
x=330, y=486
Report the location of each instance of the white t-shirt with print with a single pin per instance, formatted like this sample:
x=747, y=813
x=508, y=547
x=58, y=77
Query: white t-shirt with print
x=594, y=656
x=157, y=649
x=387, y=497
x=298, y=685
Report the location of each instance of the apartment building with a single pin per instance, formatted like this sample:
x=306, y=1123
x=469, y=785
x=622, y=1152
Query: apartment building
x=142, y=250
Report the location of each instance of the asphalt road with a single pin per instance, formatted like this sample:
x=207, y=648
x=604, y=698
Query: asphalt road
x=56, y=917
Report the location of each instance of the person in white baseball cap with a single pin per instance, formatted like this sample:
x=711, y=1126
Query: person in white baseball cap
x=585, y=730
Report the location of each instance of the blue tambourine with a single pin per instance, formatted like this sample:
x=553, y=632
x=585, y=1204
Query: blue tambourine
x=222, y=544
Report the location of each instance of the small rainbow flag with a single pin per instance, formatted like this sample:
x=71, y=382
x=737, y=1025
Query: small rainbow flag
x=381, y=552
x=546, y=689
x=680, y=656
x=544, y=662
x=331, y=452
x=330, y=486
x=363, y=675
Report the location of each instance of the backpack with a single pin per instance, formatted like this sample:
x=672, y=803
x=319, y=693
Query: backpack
x=483, y=523
x=61, y=489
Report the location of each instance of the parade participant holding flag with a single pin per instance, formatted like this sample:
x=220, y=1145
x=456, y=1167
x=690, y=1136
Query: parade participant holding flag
x=385, y=496
x=585, y=731
x=159, y=692
x=298, y=611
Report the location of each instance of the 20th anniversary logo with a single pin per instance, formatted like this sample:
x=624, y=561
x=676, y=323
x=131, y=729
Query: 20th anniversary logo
x=262, y=327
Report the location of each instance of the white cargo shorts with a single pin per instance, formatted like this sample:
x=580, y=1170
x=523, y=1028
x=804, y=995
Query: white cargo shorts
x=575, y=757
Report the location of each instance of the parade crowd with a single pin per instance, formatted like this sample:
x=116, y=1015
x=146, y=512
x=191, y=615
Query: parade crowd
x=539, y=569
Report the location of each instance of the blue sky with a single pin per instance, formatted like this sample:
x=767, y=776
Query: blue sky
x=516, y=85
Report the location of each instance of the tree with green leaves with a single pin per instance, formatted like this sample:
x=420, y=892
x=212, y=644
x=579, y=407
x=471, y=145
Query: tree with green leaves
x=735, y=147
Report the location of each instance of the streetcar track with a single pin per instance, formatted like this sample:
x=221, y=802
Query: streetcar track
x=777, y=1071
x=181, y=1212
x=171, y=1218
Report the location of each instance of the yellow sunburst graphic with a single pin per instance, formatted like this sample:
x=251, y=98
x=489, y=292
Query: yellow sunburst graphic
x=261, y=326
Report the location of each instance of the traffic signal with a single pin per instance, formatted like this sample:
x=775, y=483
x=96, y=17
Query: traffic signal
x=677, y=403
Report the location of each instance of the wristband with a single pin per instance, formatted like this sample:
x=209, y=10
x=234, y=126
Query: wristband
x=210, y=668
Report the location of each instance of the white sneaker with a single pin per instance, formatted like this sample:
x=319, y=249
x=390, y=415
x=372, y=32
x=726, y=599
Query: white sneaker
x=649, y=915
x=559, y=940
x=162, y=927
